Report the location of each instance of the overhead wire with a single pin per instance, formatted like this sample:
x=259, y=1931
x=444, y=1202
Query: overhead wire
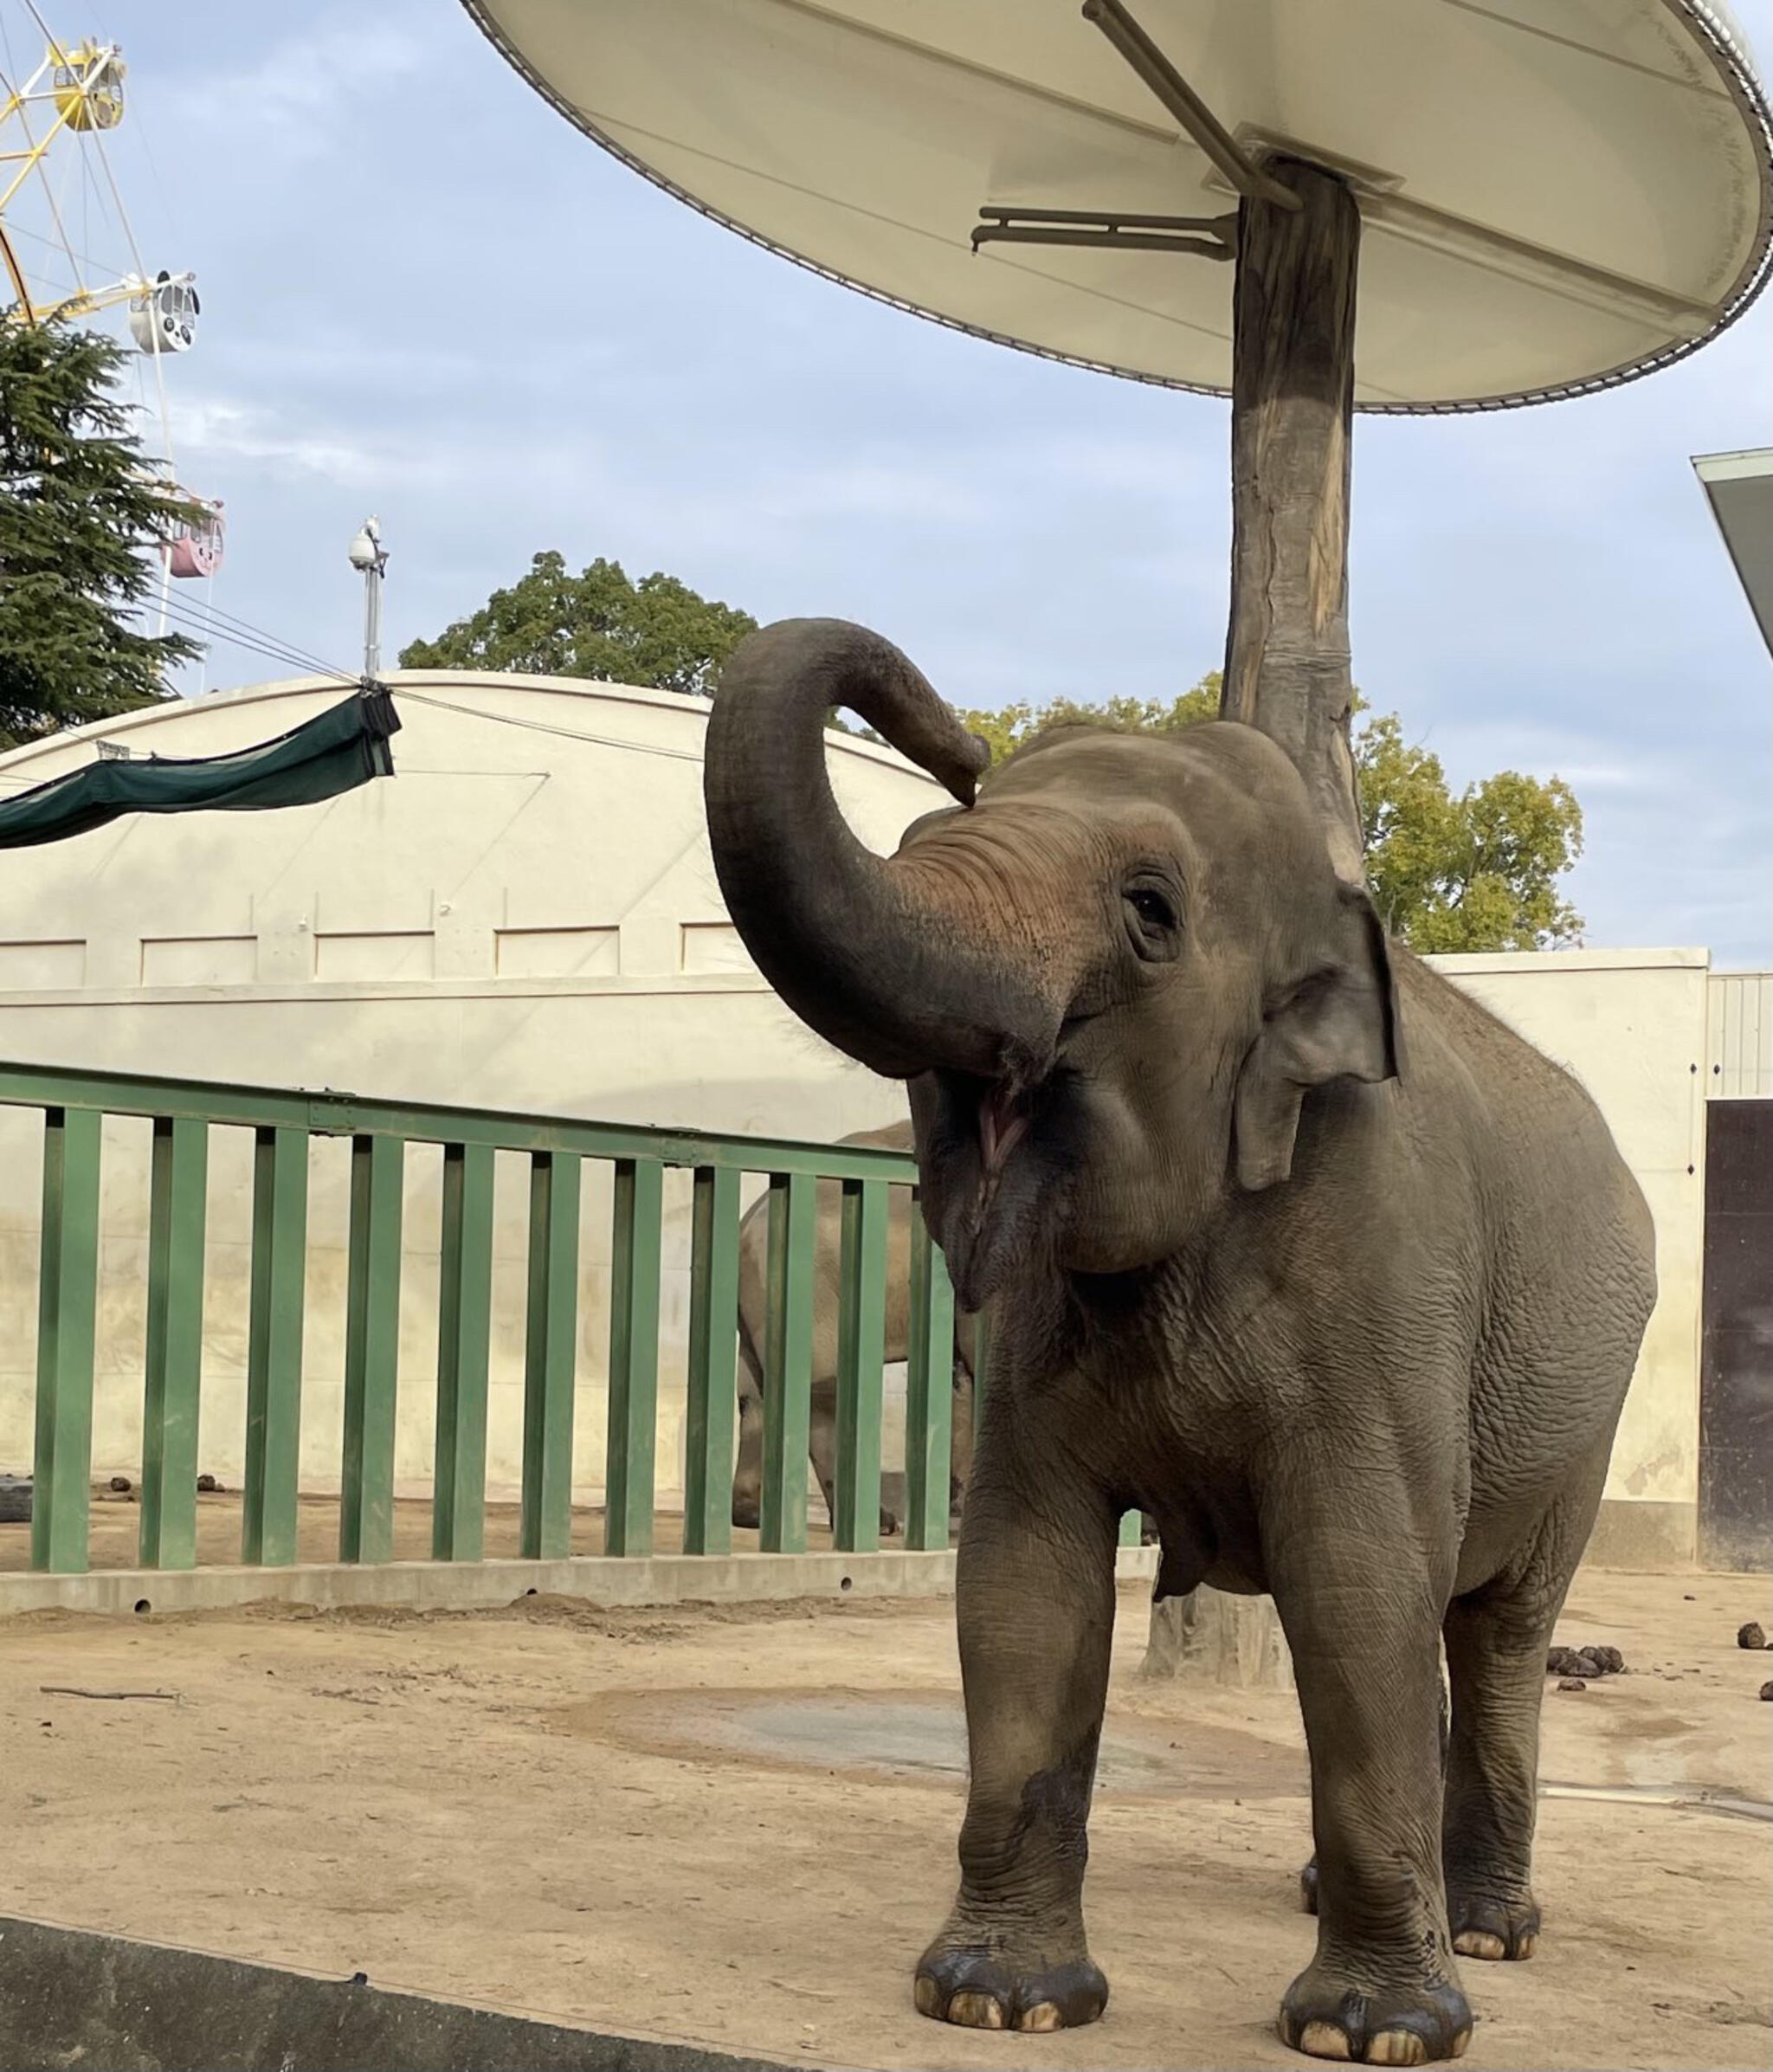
x=192, y=622
x=409, y=696
x=225, y=626
x=231, y=621
x=206, y=624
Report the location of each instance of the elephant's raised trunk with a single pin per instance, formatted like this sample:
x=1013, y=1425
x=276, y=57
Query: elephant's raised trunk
x=891, y=964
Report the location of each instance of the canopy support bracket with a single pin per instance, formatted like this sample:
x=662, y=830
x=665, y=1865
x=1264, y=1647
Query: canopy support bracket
x=1207, y=236
x=1180, y=100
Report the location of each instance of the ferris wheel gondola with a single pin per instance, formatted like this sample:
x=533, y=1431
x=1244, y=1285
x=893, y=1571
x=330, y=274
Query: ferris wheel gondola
x=55, y=124
x=164, y=318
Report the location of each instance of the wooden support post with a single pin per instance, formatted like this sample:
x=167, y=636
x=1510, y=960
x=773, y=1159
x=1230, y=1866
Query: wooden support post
x=1286, y=653
x=1286, y=658
x=1215, y=1638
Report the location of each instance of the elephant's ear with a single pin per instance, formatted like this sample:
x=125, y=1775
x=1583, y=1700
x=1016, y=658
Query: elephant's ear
x=1339, y=1022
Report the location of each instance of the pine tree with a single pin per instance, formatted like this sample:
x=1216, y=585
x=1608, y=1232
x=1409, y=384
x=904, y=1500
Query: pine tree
x=79, y=516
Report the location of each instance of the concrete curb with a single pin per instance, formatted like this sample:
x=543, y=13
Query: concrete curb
x=73, y=1996
x=470, y=1585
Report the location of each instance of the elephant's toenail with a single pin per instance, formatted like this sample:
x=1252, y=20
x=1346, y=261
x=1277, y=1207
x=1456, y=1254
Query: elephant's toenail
x=976, y=2011
x=1525, y=1945
x=1323, y=2039
x=1456, y=2048
x=1478, y=1942
x=1044, y=2014
x=1397, y=2046
x=928, y=1996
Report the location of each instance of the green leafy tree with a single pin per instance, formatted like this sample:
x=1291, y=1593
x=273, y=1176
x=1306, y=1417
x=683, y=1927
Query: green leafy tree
x=657, y=633
x=1478, y=870
x=1475, y=871
x=80, y=517
x=1004, y=732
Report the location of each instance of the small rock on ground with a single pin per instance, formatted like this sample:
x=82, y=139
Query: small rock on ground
x=1751, y=1636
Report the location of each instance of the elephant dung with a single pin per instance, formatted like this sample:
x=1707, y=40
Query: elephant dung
x=1751, y=1636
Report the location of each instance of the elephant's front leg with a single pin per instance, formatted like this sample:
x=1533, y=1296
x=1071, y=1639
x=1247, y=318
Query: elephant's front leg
x=1361, y=1601
x=1034, y=1600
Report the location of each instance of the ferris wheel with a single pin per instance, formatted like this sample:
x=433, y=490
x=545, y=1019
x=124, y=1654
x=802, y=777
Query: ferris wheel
x=67, y=252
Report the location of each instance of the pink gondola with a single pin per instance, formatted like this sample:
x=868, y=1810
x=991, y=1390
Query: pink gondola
x=195, y=549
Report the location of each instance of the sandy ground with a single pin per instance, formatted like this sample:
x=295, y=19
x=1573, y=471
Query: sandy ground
x=739, y=1826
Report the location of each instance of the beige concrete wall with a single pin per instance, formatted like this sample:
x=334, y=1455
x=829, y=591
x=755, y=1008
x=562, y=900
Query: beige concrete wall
x=1631, y=1026
x=526, y=917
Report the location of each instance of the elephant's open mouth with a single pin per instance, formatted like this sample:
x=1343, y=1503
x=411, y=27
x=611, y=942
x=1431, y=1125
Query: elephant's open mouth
x=994, y=1169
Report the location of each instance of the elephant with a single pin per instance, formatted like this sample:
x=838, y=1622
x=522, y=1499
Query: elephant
x=1281, y=1238
x=753, y=1301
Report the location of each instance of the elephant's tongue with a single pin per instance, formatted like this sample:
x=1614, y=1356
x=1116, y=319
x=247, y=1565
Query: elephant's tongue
x=1002, y=1127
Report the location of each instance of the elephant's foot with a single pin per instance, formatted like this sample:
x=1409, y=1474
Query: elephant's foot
x=889, y=1524
x=1328, y=2014
x=746, y=1515
x=979, y=1982
x=1491, y=1929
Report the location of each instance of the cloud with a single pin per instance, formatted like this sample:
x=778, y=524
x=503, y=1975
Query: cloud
x=297, y=94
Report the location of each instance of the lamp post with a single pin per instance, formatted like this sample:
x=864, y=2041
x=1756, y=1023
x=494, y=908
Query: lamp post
x=370, y=557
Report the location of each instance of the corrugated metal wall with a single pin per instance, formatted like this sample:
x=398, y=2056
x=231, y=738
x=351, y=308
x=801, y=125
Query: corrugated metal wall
x=1739, y=1036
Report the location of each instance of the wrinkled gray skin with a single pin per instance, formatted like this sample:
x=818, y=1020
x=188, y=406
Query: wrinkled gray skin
x=1286, y=1241
x=753, y=1303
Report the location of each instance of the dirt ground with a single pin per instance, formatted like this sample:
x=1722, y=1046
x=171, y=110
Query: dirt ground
x=737, y=1826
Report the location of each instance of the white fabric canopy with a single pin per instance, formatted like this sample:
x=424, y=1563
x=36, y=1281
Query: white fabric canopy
x=1556, y=194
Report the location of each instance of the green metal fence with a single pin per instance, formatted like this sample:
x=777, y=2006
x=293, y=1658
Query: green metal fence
x=183, y=1114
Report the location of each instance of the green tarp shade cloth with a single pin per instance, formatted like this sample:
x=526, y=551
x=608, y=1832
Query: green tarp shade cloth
x=334, y=751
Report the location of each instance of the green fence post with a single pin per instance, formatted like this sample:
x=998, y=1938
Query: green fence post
x=631, y=1438
x=372, y=1350
x=269, y=1515
x=862, y=1333
x=1131, y=1525
x=929, y=1391
x=178, y=1186
x=67, y=1297
x=714, y=1374
x=464, y=1339
x=787, y=1363
x=549, y=1368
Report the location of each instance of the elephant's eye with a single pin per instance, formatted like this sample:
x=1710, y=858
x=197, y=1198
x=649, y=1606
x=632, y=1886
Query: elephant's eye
x=1151, y=921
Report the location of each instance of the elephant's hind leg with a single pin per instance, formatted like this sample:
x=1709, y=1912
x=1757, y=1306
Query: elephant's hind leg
x=1496, y=1641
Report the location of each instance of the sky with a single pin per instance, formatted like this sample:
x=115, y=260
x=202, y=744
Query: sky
x=426, y=296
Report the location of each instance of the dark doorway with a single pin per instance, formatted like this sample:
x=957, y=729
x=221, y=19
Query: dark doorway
x=1736, y=1364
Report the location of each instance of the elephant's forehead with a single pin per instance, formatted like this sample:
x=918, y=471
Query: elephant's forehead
x=1222, y=781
